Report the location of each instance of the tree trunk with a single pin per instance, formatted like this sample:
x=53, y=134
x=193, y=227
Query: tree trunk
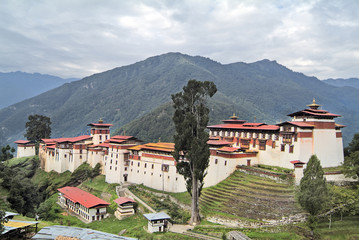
x=195, y=218
x=330, y=220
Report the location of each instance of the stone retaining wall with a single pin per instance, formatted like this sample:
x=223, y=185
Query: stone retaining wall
x=279, y=177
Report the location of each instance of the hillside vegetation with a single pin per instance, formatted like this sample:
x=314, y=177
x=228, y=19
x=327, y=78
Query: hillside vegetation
x=249, y=197
x=264, y=90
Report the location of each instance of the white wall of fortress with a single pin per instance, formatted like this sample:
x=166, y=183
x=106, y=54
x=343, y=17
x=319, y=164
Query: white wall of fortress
x=25, y=151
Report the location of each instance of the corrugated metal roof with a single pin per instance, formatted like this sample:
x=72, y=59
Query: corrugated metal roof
x=9, y=214
x=14, y=224
x=51, y=232
x=156, y=216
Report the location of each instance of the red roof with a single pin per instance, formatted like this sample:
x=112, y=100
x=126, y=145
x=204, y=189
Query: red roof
x=84, y=198
x=60, y=140
x=123, y=200
x=297, y=161
x=100, y=124
x=122, y=137
x=314, y=112
x=104, y=145
x=74, y=139
x=22, y=141
x=161, y=146
x=253, y=124
x=298, y=124
x=235, y=121
x=218, y=142
x=246, y=126
x=115, y=140
x=228, y=149
x=214, y=138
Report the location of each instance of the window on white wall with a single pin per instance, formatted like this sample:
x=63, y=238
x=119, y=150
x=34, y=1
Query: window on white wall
x=165, y=167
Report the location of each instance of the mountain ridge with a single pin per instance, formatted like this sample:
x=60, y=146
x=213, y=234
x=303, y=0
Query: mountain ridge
x=340, y=82
x=264, y=90
x=18, y=86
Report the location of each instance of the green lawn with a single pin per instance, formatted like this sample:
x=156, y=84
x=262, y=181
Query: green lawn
x=183, y=197
x=16, y=161
x=348, y=228
x=333, y=169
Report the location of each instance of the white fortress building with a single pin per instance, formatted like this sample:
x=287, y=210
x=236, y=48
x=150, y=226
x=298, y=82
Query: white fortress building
x=232, y=143
x=25, y=148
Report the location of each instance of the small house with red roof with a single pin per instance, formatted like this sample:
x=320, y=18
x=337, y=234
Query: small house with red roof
x=85, y=205
x=25, y=148
x=125, y=207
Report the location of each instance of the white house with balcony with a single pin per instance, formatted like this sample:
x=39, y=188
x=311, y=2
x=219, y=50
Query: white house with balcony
x=158, y=222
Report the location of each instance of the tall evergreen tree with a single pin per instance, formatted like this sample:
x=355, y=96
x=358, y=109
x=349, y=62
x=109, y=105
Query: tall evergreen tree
x=2, y=221
x=313, y=192
x=351, y=161
x=191, y=119
x=6, y=153
x=37, y=128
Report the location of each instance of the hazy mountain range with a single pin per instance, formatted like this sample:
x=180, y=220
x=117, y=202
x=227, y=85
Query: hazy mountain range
x=18, y=86
x=137, y=97
x=340, y=82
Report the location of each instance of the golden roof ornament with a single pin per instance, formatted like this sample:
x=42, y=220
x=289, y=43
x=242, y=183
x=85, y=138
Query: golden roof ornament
x=234, y=117
x=100, y=120
x=314, y=105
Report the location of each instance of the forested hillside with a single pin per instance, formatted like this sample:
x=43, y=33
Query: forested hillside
x=264, y=90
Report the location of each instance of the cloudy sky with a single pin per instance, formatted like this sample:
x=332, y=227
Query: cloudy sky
x=76, y=38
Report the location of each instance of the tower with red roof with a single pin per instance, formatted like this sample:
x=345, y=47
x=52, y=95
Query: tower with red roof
x=100, y=131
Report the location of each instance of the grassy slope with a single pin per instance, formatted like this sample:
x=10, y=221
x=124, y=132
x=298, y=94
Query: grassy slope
x=249, y=197
x=345, y=229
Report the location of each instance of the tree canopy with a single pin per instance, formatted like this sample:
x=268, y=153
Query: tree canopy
x=2, y=220
x=6, y=153
x=351, y=161
x=37, y=128
x=313, y=192
x=191, y=119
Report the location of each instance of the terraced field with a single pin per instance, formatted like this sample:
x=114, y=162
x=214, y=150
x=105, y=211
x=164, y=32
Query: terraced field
x=249, y=196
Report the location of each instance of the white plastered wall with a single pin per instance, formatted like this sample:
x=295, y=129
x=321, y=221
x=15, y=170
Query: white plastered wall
x=25, y=151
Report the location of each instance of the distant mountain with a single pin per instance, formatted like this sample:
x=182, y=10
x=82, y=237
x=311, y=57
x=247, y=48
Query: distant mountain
x=264, y=90
x=18, y=86
x=340, y=82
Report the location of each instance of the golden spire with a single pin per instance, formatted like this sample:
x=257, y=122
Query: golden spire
x=234, y=117
x=314, y=105
x=100, y=120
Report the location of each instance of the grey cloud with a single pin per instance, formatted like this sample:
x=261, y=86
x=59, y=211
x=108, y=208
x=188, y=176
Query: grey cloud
x=78, y=38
